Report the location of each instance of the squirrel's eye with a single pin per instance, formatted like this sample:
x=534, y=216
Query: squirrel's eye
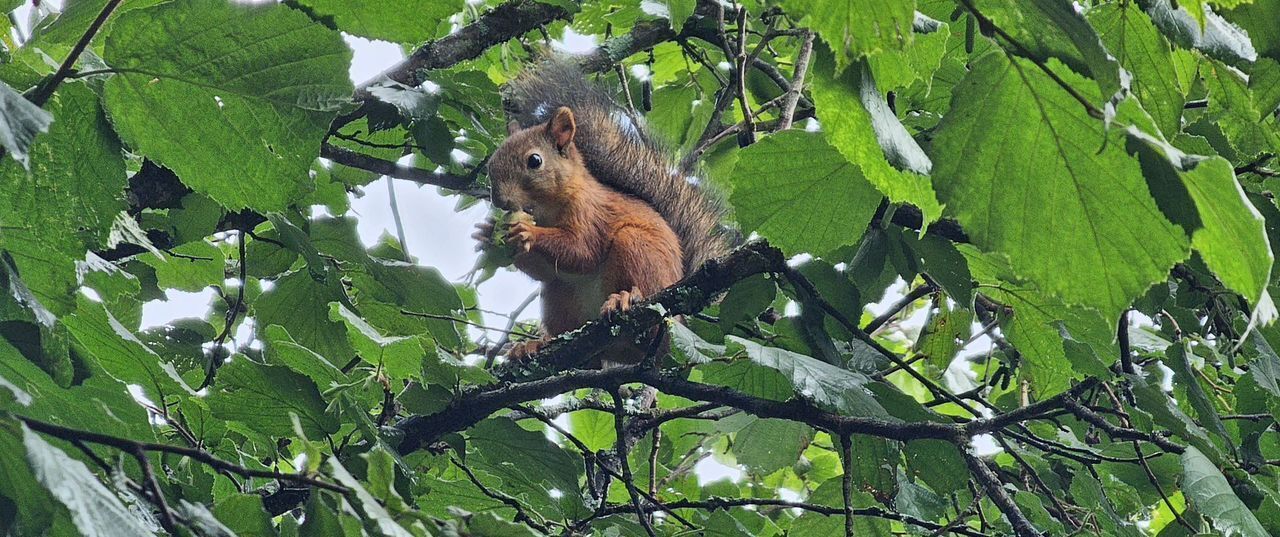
x=535, y=161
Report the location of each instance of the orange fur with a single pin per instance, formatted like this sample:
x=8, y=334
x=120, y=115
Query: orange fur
x=595, y=250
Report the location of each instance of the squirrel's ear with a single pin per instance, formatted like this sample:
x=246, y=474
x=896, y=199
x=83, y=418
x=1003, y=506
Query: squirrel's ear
x=561, y=127
x=513, y=127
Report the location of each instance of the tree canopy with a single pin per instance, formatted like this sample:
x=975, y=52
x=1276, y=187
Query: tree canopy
x=1007, y=270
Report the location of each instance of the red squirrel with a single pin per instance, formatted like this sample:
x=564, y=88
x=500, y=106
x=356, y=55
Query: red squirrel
x=609, y=217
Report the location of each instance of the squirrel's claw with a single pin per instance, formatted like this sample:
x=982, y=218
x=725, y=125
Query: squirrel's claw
x=521, y=236
x=619, y=302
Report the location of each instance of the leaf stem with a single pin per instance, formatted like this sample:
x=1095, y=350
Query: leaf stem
x=44, y=91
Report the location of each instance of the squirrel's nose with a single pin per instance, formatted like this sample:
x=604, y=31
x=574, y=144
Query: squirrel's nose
x=495, y=197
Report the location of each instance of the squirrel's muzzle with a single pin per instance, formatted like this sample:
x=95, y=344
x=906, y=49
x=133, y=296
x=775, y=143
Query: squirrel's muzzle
x=498, y=200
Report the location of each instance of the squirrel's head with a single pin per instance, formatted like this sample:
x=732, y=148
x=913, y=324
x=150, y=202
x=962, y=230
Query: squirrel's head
x=534, y=169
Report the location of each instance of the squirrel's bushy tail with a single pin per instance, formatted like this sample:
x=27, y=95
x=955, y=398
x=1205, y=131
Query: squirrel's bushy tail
x=622, y=153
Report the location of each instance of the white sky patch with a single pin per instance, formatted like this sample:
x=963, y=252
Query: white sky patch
x=641, y=72
x=984, y=445
x=91, y=294
x=799, y=259
x=709, y=470
x=655, y=9
x=177, y=305
x=575, y=43
x=371, y=57
x=459, y=156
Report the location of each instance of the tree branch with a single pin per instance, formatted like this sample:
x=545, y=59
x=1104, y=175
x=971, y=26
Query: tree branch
x=995, y=490
x=714, y=503
x=354, y=159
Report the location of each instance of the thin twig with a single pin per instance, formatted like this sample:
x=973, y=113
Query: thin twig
x=153, y=490
x=512, y=319
x=628, y=480
x=797, y=82
x=897, y=307
x=846, y=481
x=229, y=321
x=395, y=215
x=129, y=446
x=442, y=317
x=521, y=514
x=44, y=91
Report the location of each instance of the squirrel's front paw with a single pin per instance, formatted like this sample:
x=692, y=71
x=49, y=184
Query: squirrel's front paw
x=522, y=236
x=523, y=349
x=619, y=302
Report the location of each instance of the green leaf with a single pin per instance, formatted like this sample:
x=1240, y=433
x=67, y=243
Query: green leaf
x=300, y=304
x=26, y=389
x=1129, y=34
x=594, y=428
x=385, y=524
x=68, y=199
x=1209, y=493
x=854, y=28
x=1256, y=18
x=244, y=515
x=942, y=335
x=1086, y=490
x=94, y=509
x=76, y=17
x=98, y=335
x=871, y=137
x=1264, y=84
x=690, y=347
x=1207, y=32
x=1226, y=229
x=401, y=21
x=401, y=357
x=745, y=301
x=678, y=11
x=1180, y=362
x=204, y=83
x=896, y=70
x=1030, y=175
x=767, y=445
x=1250, y=131
x=190, y=267
x=874, y=466
x=529, y=465
x=20, y=122
x=829, y=386
x=801, y=194
x=1041, y=326
x=281, y=349
x=1054, y=29
x=205, y=523
x=263, y=396
x=31, y=509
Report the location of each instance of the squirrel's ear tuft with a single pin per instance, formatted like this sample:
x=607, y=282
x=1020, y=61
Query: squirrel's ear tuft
x=561, y=127
x=513, y=127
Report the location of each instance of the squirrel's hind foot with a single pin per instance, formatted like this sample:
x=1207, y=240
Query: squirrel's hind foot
x=619, y=302
x=523, y=349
